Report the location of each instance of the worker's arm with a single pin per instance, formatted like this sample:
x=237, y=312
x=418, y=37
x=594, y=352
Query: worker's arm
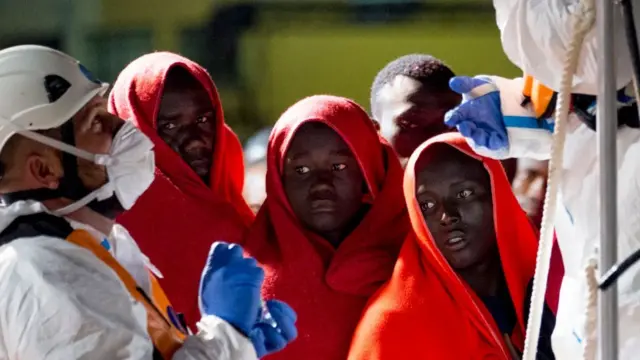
x=60, y=302
x=216, y=339
x=494, y=120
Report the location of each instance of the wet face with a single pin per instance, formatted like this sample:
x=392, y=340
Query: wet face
x=454, y=194
x=186, y=121
x=413, y=113
x=323, y=182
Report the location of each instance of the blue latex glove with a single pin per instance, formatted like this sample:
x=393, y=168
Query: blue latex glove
x=266, y=337
x=230, y=286
x=479, y=116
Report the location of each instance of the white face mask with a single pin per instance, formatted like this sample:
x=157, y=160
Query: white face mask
x=130, y=166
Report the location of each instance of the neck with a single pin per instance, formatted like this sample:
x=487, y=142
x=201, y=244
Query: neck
x=84, y=215
x=206, y=180
x=485, y=277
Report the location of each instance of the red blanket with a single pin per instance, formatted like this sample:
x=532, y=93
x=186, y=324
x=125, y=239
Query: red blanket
x=329, y=287
x=179, y=216
x=426, y=311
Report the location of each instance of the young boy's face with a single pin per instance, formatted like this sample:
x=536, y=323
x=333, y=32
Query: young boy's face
x=454, y=194
x=187, y=123
x=323, y=181
x=410, y=113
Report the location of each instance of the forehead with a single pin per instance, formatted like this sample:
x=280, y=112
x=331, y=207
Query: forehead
x=316, y=137
x=181, y=87
x=445, y=165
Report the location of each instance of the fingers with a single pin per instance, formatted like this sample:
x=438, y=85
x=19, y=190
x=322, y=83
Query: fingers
x=222, y=253
x=282, y=308
x=273, y=340
x=245, y=272
x=285, y=317
x=457, y=115
x=496, y=141
x=462, y=84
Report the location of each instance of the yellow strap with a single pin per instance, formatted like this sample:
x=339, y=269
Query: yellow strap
x=165, y=336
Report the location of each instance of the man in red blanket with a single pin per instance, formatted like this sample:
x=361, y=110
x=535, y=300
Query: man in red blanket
x=196, y=197
x=333, y=221
x=462, y=284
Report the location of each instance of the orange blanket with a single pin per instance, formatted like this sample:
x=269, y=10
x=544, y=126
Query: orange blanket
x=426, y=311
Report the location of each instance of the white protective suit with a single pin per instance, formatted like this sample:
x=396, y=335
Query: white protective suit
x=535, y=35
x=60, y=302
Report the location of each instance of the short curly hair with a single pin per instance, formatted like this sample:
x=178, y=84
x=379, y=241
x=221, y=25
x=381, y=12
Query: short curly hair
x=432, y=73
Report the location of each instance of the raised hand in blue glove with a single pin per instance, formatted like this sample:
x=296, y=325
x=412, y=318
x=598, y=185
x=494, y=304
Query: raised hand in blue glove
x=230, y=286
x=272, y=335
x=479, y=116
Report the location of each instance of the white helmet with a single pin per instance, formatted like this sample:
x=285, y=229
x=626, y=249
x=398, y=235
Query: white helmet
x=27, y=75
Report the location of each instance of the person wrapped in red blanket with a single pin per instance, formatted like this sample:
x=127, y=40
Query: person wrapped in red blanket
x=196, y=197
x=332, y=224
x=462, y=284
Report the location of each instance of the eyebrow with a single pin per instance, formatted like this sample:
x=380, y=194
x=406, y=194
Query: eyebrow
x=298, y=155
x=342, y=152
x=168, y=117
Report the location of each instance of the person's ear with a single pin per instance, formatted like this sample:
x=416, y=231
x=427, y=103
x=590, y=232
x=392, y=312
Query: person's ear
x=44, y=169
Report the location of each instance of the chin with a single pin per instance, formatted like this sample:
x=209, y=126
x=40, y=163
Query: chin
x=463, y=261
x=323, y=223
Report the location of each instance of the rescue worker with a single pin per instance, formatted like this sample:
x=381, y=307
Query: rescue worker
x=514, y=119
x=73, y=284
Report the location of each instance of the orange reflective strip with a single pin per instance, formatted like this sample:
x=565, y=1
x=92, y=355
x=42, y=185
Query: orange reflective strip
x=540, y=95
x=166, y=338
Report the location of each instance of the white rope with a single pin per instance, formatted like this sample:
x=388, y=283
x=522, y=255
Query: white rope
x=591, y=325
x=583, y=21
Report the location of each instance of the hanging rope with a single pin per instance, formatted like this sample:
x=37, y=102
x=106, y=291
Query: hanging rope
x=591, y=325
x=583, y=21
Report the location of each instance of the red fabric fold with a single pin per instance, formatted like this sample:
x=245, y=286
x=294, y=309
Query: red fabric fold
x=426, y=310
x=178, y=218
x=329, y=287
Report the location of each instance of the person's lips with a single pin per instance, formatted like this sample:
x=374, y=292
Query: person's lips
x=456, y=240
x=200, y=162
x=323, y=206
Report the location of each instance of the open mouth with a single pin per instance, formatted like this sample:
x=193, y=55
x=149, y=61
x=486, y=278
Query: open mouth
x=456, y=241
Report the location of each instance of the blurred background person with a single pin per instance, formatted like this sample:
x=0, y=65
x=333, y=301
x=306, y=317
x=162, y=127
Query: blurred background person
x=255, y=164
x=409, y=98
x=529, y=186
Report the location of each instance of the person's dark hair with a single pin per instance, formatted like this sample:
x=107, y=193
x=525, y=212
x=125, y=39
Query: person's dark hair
x=432, y=73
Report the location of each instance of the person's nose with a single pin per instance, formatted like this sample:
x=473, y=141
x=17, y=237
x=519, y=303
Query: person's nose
x=192, y=138
x=450, y=215
x=323, y=180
